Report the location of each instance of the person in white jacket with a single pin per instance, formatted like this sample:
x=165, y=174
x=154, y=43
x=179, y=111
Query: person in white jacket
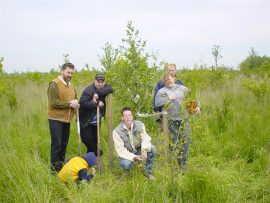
x=132, y=143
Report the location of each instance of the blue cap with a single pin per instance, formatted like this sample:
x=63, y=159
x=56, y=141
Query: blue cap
x=90, y=158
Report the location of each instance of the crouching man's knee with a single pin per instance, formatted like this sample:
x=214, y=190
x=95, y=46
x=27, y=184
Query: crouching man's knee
x=153, y=151
x=125, y=164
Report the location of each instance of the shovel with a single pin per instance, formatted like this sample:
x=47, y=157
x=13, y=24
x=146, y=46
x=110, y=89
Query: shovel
x=99, y=160
x=79, y=135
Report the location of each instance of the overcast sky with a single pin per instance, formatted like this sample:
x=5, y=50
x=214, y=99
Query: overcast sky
x=35, y=34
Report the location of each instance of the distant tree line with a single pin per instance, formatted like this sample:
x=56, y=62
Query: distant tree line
x=255, y=62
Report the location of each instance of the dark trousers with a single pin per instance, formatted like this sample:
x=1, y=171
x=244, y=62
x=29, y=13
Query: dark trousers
x=59, y=140
x=89, y=138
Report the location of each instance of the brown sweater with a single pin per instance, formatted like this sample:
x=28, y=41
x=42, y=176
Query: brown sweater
x=59, y=95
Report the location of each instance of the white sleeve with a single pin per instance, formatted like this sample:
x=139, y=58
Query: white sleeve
x=120, y=148
x=146, y=140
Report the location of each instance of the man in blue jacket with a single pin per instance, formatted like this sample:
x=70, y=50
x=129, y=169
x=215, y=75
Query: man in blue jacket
x=172, y=69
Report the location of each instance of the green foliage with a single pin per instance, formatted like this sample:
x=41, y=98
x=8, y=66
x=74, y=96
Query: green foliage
x=7, y=92
x=200, y=79
x=204, y=187
x=128, y=67
x=217, y=77
x=110, y=56
x=216, y=52
x=66, y=58
x=12, y=100
x=222, y=112
x=255, y=62
x=259, y=89
x=1, y=65
x=2, y=87
x=35, y=76
x=265, y=65
x=84, y=77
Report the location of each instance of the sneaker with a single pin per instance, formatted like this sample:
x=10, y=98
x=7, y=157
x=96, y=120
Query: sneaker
x=56, y=167
x=183, y=167
x=149, y=176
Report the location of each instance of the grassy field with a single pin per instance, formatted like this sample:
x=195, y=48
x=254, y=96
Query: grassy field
x=229, y=156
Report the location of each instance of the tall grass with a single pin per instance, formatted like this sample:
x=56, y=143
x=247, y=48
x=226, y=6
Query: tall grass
x=229, y=156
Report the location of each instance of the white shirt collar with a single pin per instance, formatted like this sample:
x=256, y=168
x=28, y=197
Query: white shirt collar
x=131, y=127
x=63, y=81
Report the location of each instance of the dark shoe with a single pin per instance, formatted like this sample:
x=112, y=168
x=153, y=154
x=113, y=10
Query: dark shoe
x=183, y=167
x=149, y=176
x=56, y=167
x=126, y=173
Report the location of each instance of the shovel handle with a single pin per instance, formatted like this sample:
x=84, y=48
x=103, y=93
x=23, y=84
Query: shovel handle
x=78, y=130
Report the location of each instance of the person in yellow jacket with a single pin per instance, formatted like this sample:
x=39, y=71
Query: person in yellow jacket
x=76, y=168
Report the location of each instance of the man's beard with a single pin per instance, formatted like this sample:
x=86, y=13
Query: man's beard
x=67, y=79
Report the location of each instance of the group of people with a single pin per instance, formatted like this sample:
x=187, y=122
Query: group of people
x=131, y=141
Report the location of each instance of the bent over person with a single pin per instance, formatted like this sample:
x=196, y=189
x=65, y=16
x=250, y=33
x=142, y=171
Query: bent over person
x=132, y=143
x=62, y=103
x=76, y=169
x=92, y=96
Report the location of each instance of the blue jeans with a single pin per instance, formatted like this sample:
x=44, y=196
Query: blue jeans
x=126, y=164
x=180, y=139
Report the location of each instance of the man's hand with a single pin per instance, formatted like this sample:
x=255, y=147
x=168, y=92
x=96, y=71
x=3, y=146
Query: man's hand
x=144, y=155
x=172, y=97
x=95, y=97
x=100, y=104
x=74, y=104
x=197, y=110
x=93, y=171
x=138, y=157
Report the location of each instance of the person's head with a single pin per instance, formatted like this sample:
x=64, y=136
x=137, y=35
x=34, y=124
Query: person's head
x=99, y=81
x=67, y=71
x=90, y=158
x=168, y=79
x=127, y=116
x=171, y=68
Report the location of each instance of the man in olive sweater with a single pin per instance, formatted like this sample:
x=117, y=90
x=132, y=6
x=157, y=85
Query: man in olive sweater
x=62, y=103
